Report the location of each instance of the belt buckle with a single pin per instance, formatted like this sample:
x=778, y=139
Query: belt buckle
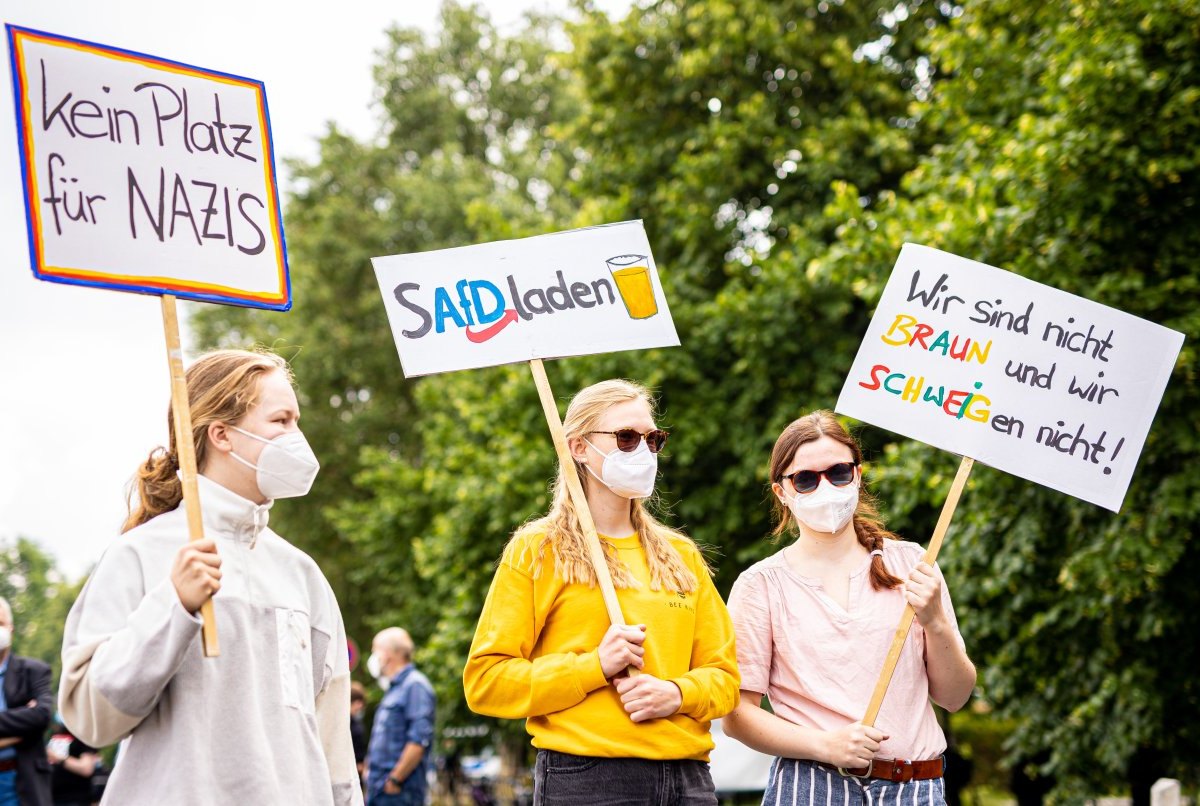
x=903, y=770
x=845, y=773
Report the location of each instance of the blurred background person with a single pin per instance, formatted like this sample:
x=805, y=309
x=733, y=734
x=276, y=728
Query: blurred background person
x=25, y=707
x=398, y=756
x=74, y=765
x=358, y=731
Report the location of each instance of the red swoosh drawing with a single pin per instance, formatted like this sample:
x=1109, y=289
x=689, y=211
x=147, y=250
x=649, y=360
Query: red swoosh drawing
x=480, y=336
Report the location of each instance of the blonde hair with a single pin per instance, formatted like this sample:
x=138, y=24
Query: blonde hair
x=560, y=530
x=222, y=387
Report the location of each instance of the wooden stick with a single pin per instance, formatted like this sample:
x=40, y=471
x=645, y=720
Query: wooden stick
x=185, y=449
x=906, y=619
x=567, y=462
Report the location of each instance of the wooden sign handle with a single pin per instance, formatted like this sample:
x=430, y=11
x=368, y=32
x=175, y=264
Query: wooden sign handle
x=906, y=619
x=567, y=462
x=185, y=449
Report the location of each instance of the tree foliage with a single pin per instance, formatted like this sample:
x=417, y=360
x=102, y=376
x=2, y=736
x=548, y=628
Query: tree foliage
x=40, y=598
x=464, y=154
x=779, y=154
x=1074, y=165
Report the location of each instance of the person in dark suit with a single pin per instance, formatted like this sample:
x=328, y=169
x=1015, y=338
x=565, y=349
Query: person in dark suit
x=25, y=707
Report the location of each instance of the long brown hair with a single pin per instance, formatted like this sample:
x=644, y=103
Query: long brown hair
x=868, y=525
x=222, y=386
x=560, y=529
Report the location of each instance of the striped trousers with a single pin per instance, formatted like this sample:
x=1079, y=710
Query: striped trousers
x=798, y=782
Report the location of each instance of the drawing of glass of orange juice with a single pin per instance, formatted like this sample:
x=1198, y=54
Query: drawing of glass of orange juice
x=632, y=276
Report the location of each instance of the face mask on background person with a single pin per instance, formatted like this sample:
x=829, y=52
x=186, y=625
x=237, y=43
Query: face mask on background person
x=5, y=638
x=375, y=669
x=826, y=509
x=629, y=474
x=286, y=467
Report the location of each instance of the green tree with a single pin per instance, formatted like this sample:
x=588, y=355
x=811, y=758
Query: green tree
x=467, y=152
x=779, y=154
x=1066, y=152
x=652, y=145
x=40, y=597
x=724, y=125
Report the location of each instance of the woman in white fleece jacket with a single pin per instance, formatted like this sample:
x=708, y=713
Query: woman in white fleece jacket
x=268, y=721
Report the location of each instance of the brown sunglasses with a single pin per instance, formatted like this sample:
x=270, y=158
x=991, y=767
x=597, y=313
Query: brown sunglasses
x=628, y=438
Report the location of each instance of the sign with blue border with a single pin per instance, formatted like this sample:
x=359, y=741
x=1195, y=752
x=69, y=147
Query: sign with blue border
x=145, y=174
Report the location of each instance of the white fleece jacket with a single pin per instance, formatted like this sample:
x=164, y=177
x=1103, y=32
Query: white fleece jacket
x=267, y=722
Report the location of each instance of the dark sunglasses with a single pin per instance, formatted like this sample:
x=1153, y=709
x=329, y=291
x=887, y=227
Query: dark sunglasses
x=628, y=438
x=805, y=481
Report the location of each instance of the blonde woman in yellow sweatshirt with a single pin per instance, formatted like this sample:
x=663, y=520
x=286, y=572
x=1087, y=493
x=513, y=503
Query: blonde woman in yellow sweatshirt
x=544, y=650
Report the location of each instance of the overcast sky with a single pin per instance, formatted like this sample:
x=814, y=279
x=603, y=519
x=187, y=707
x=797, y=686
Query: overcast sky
x=83, y=380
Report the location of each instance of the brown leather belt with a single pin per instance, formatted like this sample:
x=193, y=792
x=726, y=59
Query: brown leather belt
x=895, y=769
x=8, y=764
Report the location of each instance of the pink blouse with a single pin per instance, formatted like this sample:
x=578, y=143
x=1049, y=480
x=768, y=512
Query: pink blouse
x=819, y=663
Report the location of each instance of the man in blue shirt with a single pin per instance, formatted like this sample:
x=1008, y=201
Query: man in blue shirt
x=398, y=755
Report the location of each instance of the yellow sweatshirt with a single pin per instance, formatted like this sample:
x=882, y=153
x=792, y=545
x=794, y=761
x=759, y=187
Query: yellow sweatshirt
x=535, y=656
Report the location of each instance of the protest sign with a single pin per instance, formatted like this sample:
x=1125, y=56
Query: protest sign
x=1023, y=377
x=148, y=175
x=1026, y=378
x=578, y=292
x=145, y=174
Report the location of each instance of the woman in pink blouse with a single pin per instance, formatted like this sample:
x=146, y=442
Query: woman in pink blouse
x=814, y=623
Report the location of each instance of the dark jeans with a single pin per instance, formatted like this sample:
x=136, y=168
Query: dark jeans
x=561, y=779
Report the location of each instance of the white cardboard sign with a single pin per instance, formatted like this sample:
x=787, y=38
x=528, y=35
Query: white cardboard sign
x=1029, y=379
x=579, y=292
x=144, y=174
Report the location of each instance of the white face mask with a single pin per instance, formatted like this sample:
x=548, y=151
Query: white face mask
x=826, y=509
x=629, y=474
x=286, y=467
x=375, y=669
x=5, y=638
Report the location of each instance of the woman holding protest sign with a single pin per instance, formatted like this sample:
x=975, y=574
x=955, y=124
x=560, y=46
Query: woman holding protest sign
x=544, y=649
x=814, y=623
x=268, y=720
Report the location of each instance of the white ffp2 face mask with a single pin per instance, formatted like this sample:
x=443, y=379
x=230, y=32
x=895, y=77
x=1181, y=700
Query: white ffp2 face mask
x=5, y=638
x=286, y=467
x=375, y=669
x=629, y=474
x=826, y=509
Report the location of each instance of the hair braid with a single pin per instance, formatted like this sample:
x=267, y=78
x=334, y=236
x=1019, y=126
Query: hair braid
x=868, y=524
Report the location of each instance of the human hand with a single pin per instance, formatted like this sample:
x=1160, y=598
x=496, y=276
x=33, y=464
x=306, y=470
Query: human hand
x=621, y=647
x=54, y=756
x=647, y=697
x=923, y=591
x=390, y=787
x=853, y=746
x=196, y=573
